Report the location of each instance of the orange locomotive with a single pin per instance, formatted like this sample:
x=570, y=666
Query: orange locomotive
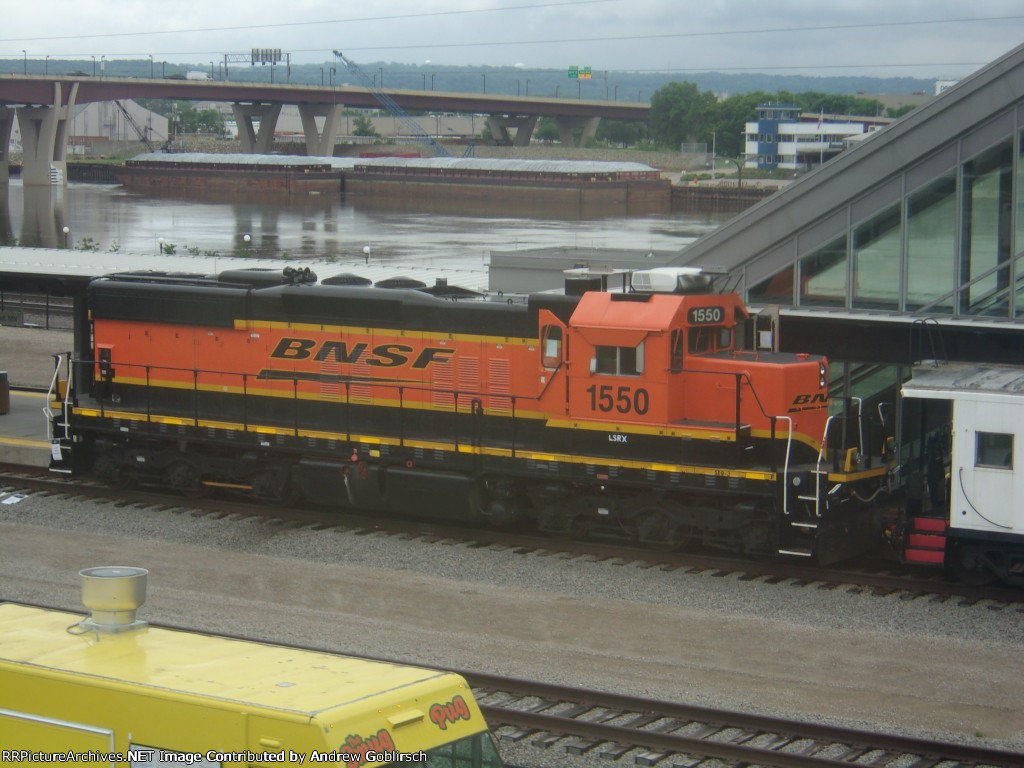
x=633, y=413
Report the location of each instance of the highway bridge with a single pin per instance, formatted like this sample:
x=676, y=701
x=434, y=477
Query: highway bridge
x=43, y=104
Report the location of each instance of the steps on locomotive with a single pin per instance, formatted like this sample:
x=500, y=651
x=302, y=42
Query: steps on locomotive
x=801, y=519
x=926, y=540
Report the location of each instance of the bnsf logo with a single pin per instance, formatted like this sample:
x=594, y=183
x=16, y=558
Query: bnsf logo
x=383, y=355
x=808, y=402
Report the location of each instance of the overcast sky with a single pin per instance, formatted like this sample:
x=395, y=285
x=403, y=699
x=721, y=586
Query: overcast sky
x=926, y=38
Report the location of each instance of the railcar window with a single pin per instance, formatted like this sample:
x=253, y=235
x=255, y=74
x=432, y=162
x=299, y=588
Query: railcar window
x=701, y=340
x=724, y=338
x=993, y=449
x=474, y=752
x=709, y=339
x=551, y=355
x=676, y=349
x=619, y=361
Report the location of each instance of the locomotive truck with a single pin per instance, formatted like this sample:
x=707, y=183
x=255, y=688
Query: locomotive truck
x=642, y=413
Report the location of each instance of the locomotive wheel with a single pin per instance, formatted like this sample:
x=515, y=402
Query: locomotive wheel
x=969, y=567
x=116, y=474
x=558, y=521
x=658, y=530
x=185, y=477
x=274, y=486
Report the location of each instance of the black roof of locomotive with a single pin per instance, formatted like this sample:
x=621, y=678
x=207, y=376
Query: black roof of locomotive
x=209, y=301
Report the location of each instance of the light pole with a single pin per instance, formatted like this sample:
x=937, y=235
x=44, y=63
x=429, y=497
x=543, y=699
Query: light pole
x=517, y=87
x=432, y=74
x=67, y=231
x=24, y=57
x=616, y=92
x=484, y=76
x=103, y=66
x=714, y=136
x=527, y=87
x=151, y=66
x=366, y=253
x=94, y=66
x=424, y=76
x=739, y=170
x=381, y=70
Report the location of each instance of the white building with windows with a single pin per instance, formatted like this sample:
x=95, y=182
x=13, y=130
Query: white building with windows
x=786, y=138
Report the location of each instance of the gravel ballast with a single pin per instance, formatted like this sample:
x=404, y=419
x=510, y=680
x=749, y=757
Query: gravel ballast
x=911, y=666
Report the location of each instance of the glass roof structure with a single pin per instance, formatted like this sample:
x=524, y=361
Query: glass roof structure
x=923, y=218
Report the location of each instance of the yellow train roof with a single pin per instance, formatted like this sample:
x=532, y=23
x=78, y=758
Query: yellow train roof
x=215, y=668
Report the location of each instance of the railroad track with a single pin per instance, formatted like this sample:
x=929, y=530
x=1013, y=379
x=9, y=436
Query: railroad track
x=651, y=732
x=875, y=577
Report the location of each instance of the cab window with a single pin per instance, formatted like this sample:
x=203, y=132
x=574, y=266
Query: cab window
x=619, y=361
x=551, y=346
x=676, y=350
x=704, y=339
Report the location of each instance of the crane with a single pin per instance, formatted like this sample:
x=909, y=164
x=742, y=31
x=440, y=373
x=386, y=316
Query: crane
x=396, y=111
x=142, y=134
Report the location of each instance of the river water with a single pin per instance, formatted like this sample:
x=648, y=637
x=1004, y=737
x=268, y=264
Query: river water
x=112, y=218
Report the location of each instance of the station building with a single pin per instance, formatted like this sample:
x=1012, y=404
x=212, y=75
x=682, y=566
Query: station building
x=785, y=138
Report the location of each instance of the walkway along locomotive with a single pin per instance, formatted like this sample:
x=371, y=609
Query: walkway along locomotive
x=634, y=413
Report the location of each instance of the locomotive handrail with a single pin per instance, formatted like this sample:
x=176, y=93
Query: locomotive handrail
x=785, y=465
x=822, y=451
x=47, y=411
x=860, y=422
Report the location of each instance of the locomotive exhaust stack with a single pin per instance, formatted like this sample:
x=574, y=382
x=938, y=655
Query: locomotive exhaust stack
x=113, y=594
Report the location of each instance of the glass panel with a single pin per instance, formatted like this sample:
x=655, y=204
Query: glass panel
x=607, y=360
x=994, y=449
x=876, y=261
x=1019, y=302
x=823, y=275
x=931, y=245
x=476, y=751
x=552, y=352
x=987, y=201
x=1019, y=242
x=777, y=289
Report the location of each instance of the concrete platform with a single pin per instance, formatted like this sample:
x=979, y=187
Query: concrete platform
x=27, y=356
x=23, y=431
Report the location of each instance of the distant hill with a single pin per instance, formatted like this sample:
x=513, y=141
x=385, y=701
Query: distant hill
x=612, y=85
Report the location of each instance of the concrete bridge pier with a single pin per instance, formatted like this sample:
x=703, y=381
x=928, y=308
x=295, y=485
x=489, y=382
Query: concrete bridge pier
x=44, y=140
x=567, y=125
x=6, y=127
x=254, y=143
x=524, y=125
x=45, y=212
x=320, y=144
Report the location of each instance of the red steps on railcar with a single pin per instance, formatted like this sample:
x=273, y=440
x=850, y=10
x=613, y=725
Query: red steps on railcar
x=926, y=541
